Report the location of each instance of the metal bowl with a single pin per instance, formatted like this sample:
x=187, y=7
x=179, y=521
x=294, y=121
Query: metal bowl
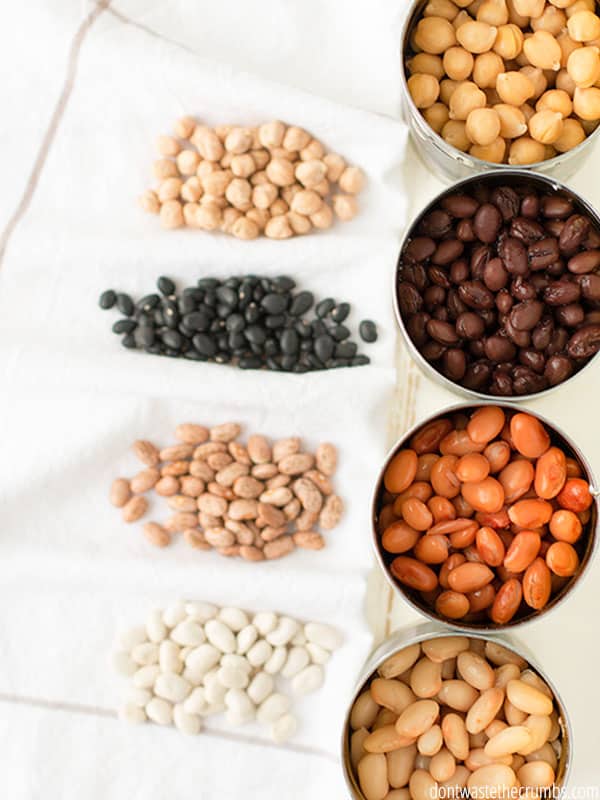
x=509, y=177
x=402, y=639
x=587, y=545
x=442, y=158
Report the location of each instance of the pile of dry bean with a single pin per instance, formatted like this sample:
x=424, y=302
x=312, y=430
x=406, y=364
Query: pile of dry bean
x=258, y=501
x=514, y=81
x=483, y=516
x=273, y=180
x=451, y=713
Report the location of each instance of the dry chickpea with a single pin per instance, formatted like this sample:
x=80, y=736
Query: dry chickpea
x=493, y=152
x=586, y=103
x=261, y=158
x=552, y=20
x=514, y=17
x=243, y=165
x=580, y=5
x=486, y=70
x=583, y=66
x=278, y=228
x=509, y=41
x=239, y=194
x=441, y=8
x=424, y=90
x=244, y=228
x=208, y=143
x=271, y=134
x=546, y=126
x=189, y=214
x=259, y=215
x=512, y=121
x=230, y=217
x=289, y=192
x=165, y=168
x=149, y=202
x=187, y=162
x=323, y=187
x=280, y=171
x=466, y=98
x=216, y=183
x=526, y=151
x=264, y=195
x=184, y=127
x=295, y=139
x=458, y=63
x=426, y=64
x=335, y=166
x=483, y=126
x=192, y=190
x=455, y=134
x=447, y=89
x=555, y=100
x=345, y=206
x=167, y=146
x=209, y=216
x=323, y=218
x=259, y=178
x=239, y=140
x=477, y=37
x=584, y=26
x=169, y=189
x=314, y=150
x=352, y=180
x=213, y=200
x=205, y=168
x=530, y=8
x=537, y=78
x=514, y=88
x=306, y=202
x=567, y=45
x=171, y=214
x=222, y=131
x=299, y=223
x=543, y=51
x=494, y=12
x=434, y=35
x=565, y=82
x=437, y=116
x=279, y=207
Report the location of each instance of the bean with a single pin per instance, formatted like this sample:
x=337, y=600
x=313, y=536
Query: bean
x=445, y=647
x=401, y=471
x=430, y=742
x=530, y=513
x=399, y=537
x=443, y=478
x=400, y=662
x=497, y=455
x=432, y=549
x=372, y=776
x=528, y=435
x=452, y=605
x=566, y=526
x=414, y=574
x=537, y=584
x=416, y=514
x=490, y=546
x=385, y=739
x=528, y=699
x=484, y=709
x=516, y=479
x=510, y=740
x=475, y=669
x=575, y=495
x=522, y=551
x=428, y=438
x=417, y=718
x=562, y=559
x=470, y=577
x=486, y=495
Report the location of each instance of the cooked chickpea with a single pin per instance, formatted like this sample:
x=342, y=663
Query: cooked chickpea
x=171, y=214
x=509, y=41
x=514, y=88
x=567, y=45
x=583, y=66
x=546, y=126
x=149, y=202
x=454, y=132
x=512, y=121
x=447, y=89
x=492, y=97
x=344, y=205
x=434, y=35
x=537, y=77
x=565, y=82
x=323, y=218
x=584, y=26
x=586, y=103
x=441, y=8
x=543, y=51
x=458, y=63
x=580, y=5
x=526, y=151
x=299, y=223
x=527, y=111
x=465, y=98
x=514, y=17
x=426, y=64
x=494, y=12
x=529, y=8
x=295, y=139
x=460, y=19
x=555, y=100
x=477, y=37
x=483, y=126
x=244, y=228
x=437, y=116
x=271, y=134
x=486, y=70
x=493, y=152
x=424, y=90
x=335, y=166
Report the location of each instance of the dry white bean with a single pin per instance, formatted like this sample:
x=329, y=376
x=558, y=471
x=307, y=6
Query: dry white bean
x=171, y=686
x=214, y=690
x=174, y=614
x=169, y=657
x=236, y=662
x=233, y=678
x=190, y=634
x=265, y=622
x=155, y=627
x=131, y=712
x=219, y=635
x=284, y=632
x=145, y=676
x=261, y=687
x=276, y=661
x=145, y=653
x=318, y=654
x=284, y=728
x=234, y=618
x=196, y=703
x=259, y=653
x=246, y=638
x=187, y=723
x=200, y=612
x=238, y=701
x=160, y=711
x=323, y=635
x=138, y=697
x=297, y=659
x=203, y=658
x=274, y=707
x=308, y=680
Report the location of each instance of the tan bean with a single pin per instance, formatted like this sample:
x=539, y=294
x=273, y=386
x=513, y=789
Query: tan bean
x=445, y=647
x=528, y=698
x=484, y=709
x=417, y=718
x=400, y=766
x=120, y=492
x=364, y=711
x=156, y=534
x=475, y=670
x=457, y=694
x=392, y=694
x=372, y=776
x=455, y=735
x=400, y=662
x=430, y=742
x=426, y=678
x=134, y=509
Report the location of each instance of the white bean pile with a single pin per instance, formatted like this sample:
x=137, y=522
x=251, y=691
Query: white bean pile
x=195, y=659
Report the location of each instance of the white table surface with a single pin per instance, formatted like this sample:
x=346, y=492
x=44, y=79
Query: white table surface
x=348, y=52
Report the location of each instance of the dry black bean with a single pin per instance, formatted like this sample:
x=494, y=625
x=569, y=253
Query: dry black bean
x=367, y=330
x=125, y=304
x=107, y=299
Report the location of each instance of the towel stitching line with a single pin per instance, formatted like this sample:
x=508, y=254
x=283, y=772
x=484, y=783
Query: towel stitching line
x=55, y=120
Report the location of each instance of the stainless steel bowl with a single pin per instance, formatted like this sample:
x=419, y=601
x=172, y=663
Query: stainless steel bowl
x=586, y=555
x=509, y=177
x=404, y=638
x=443, y=159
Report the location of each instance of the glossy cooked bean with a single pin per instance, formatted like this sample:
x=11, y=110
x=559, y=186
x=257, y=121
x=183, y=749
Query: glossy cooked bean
x=401, y=471
x=537, y=584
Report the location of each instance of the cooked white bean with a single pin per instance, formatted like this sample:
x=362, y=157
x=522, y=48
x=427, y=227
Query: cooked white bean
x=422, y=786
x=536, y=774
x=430, y=742
x=508, y=741
x=445, y=647
x=528, y=698
x=426, y=678
x=484, y=709
x=392, y=694
x=398, y=663
x=417, y=718
x=475, y=670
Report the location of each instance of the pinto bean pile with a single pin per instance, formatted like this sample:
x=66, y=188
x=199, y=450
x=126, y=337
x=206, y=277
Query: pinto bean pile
x=499, y=288
x=483, y=516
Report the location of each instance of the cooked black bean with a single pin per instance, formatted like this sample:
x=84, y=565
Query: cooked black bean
x=435, y=224
x=495, y=276
x=507, y=202
x=107, y=299
x=543, y=253
x=469, y=325
x=573, y=233
x=367, y=331
x=487, y=223
x=447, y=251
x=460, y=205
x=464, y=231
x=558, y=369
x=513, y=255
x=580, y=264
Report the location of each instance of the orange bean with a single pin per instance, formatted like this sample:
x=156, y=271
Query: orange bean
x=413, y=573
x=498, y=455
x=419, y=489
x=490, y=546
x=441, y=508
x=497, y=520
x=537, y=584
x=432, y=549
x=401, y=471
x=485, y=424
x=565, y=526
x=562, y=559
x=530, y=513
x=453, y=605
x=516, y=479
x=507, y=602
x=399, y=537
x=416, y=513
x=444, y=481
x=470, y=577
x=453, y=526
x=529, y=436
x=459, y=443
x=428, y=438
x=453, y=561
x=524, y=548
x=485, y=495
x=472, y=554
x=550, y=473
x=573, y=469
x=481, y=599
x=575, y=495
x=472, y=468
x=424, y=465
x=464, y=538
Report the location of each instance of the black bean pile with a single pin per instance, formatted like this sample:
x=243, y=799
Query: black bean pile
x=252, y=322
x=499, y=288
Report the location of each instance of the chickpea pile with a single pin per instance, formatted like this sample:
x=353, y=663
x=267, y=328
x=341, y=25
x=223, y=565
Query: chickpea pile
x=494, y=505
x=273, y=180
x=454, y=717
x=509, y=81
